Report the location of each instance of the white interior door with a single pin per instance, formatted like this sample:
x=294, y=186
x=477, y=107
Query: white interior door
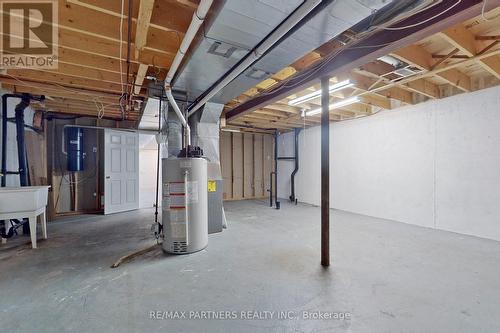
x=121, y=171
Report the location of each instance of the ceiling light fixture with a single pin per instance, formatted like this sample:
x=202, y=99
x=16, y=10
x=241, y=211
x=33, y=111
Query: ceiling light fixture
x=336, y=105
x=334, y=87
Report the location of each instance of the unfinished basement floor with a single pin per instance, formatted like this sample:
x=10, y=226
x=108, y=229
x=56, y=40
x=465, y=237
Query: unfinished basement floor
x=389, y=276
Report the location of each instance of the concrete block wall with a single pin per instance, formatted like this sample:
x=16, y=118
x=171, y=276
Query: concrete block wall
x=434, y=164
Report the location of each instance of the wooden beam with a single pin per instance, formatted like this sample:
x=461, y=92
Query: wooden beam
x=420, y=57
x=491, y=37
x=461, y=38
x=492, y=65
x=75, y=15
x=143, y=21
x=68, y=103
x=91, y=113
x=284, y=108
x=57, y=78
x=141, y=74
x=415, y=55
x=457, y=79
x=358, y=108
x=83, y=73
x=45, y=88
x=399, y=94
x=375, y=100
x=465, y=40
x=424, y=87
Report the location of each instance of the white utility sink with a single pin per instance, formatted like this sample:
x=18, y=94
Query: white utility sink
x=25, y=202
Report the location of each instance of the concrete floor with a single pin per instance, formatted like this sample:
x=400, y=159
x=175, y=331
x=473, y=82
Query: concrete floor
x=389, y=276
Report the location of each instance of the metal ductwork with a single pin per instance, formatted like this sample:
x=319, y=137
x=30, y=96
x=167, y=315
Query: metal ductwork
x=205, y=134
x=242, y=24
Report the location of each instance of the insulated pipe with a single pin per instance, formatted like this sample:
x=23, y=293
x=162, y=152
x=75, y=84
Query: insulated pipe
x=304, y=9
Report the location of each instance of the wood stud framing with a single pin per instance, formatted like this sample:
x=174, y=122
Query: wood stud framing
x=89, y=53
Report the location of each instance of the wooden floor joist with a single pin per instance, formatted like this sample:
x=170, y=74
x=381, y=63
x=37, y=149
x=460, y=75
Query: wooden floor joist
x=422, y=74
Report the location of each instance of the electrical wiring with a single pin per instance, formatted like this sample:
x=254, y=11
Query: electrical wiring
x=483, y=15
x=124, y=95
x=121, y=41
x=351, y=45
x=95, y=99
x=421, y=22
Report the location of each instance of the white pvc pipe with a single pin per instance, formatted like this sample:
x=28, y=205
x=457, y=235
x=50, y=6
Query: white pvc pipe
x=196, y=22
x=250, y=58
x=186, y=204
x=178, y=111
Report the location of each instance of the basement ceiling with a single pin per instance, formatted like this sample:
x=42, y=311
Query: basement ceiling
x=463, y=58
x=91, y=66
x=242, y=24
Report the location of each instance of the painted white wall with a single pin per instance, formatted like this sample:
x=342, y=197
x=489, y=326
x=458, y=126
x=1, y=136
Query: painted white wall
x=147, y=171
x=434, y=164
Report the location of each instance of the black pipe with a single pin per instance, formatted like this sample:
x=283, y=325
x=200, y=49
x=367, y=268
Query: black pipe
x=21, y=147
x=158, y=170
x=4, y=135
x=271, y=188
x=276, y=202
x=325, y=172
x=4, y=143
x=296, y=158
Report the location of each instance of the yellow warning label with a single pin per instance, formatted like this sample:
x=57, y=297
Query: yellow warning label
x=212, y=186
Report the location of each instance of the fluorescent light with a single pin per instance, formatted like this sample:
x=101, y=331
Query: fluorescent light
x=336, y=105
x=334, y=87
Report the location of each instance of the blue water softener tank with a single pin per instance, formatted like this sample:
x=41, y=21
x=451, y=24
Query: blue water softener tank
x=74, y=148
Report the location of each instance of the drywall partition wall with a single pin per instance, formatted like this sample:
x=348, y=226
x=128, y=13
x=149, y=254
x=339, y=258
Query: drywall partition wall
x=246, y=162
x=434, y=164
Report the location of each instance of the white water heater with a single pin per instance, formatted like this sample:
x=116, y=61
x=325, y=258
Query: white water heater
x=184, y=205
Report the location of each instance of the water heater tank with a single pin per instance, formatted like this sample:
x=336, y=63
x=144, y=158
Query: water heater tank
x=74, y=148
x=184, y=205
